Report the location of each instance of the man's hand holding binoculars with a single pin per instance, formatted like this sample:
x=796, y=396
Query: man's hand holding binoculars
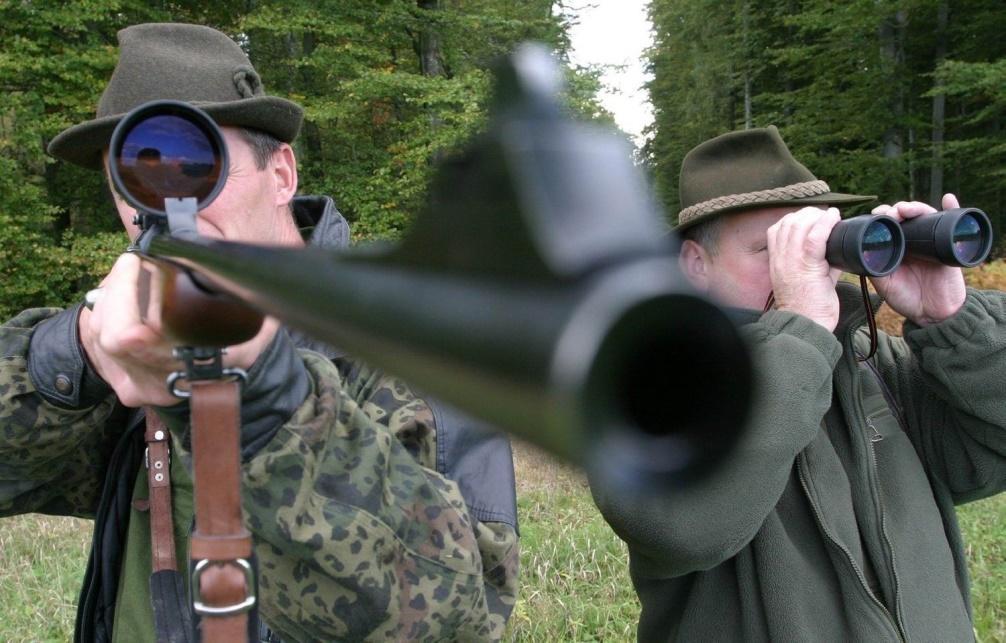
x=911, y=252
x=925, y=292
x=802, y=280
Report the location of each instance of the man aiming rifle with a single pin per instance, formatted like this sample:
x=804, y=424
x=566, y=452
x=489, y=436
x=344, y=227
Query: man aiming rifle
x=359, y=534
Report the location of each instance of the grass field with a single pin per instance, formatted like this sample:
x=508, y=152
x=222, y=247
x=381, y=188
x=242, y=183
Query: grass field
x=574, y=571
x=574, y=578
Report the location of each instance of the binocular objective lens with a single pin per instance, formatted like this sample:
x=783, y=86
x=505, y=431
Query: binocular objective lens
x=878, y=247
x=968, y=240
x=168, y=156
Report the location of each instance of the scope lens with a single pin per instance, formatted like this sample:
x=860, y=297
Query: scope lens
x=968, y=240
x=878, y=247
x=168, y=156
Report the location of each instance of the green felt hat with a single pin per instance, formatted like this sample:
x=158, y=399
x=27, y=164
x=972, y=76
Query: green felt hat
x=745, y=170
x=189, y=63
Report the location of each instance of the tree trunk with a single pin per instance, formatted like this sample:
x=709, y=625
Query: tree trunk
x=431, y=61
x=892, y=54
x=430, y=58
x=749, y=54
x=939, y=111
x=311, y=136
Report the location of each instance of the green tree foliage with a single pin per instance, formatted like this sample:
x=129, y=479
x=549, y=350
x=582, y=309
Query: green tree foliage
x=388, y=86
x=898, y=98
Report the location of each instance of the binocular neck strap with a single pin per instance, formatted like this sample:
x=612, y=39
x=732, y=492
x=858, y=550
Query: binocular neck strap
x=871, y=320
x=769, y=303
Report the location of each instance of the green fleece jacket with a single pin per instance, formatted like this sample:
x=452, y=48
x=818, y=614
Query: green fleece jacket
x=834, y=519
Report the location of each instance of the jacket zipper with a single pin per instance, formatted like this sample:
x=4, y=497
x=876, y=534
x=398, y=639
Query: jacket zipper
x=875, y=490
x=876, y=437
x=801, y=471
x=883, y=523
x=889, y=396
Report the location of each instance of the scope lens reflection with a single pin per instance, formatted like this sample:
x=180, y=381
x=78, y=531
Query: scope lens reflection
x=168, y=156
x=878, y=247
x=968, y=240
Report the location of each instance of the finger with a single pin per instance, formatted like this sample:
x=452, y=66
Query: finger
x=883, y=208
x=799, y=243
x=775, y=252
x=950, y=202
x=911, y=209
x=816, y=241
x=835, y=274
x=117, y=323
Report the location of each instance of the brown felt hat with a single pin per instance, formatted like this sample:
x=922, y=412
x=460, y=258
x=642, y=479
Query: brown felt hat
x=745, y=170
x=189, y=63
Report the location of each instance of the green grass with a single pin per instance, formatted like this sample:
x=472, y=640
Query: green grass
x=574, y=577
x=42, y=561
x=983, y=525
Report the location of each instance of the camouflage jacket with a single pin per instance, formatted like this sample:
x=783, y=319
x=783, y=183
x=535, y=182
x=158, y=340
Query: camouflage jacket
x=368, y=523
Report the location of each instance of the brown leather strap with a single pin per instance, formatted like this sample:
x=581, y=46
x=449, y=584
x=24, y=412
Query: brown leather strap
x=162, y=535
x=221, y=546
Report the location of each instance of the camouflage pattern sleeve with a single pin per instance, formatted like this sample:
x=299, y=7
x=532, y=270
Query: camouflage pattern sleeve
x=390, y=402
x=356, y=541
x=499, y=546
x=52, y=460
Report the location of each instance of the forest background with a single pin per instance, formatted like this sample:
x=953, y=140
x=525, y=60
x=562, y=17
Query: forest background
x=903, y=99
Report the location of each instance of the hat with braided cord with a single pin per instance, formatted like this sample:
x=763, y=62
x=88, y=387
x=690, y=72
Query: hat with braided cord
x=746, y=170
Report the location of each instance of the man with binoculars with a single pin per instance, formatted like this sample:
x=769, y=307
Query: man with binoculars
x=375, y=514
x=834, y=519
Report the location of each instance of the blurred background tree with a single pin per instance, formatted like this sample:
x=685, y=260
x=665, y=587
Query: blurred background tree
x=905, y=99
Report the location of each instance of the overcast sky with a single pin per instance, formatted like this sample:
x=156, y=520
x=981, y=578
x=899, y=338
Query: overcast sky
x=615, y=32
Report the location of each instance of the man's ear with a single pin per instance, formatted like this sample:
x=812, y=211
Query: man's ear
x=694, y=263
x=284, y=168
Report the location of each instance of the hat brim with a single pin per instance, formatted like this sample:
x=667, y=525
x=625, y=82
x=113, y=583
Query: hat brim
x=836, y=199
x=83, y=144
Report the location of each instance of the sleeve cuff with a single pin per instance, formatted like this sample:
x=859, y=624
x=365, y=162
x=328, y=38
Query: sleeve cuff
x=981, y=312
x=780, y=322
x=58, y=367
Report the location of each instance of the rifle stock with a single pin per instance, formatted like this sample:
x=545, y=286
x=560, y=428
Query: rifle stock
x=536, y=290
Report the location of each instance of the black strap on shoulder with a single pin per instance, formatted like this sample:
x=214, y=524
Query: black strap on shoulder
x=172, y=617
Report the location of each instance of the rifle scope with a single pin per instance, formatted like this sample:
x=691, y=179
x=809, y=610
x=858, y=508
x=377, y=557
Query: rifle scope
x=875, y=244
x=167, y=149
x=516, y=295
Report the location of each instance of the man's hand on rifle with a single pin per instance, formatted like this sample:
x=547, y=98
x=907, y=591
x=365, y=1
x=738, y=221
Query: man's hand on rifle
x=127, y=346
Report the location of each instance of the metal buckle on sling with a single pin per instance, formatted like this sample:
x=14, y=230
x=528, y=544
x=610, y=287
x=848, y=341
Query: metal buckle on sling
x=200, y=364
x=227, y=610
x=158, y=464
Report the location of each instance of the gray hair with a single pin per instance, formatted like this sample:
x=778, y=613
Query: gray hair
x=263, y=145
x=706, y=234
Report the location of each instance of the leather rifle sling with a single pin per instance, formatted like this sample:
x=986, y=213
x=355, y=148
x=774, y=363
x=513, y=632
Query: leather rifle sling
x=172, y=620
x=162, y=535
x=223, y=584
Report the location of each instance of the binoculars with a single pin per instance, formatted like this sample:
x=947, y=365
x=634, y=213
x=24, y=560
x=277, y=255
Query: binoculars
x=875, y=244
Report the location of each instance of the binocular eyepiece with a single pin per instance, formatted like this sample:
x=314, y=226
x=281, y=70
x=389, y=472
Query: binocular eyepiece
x=875, y=244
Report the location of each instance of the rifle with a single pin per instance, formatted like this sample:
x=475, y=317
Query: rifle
x=560, y=315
